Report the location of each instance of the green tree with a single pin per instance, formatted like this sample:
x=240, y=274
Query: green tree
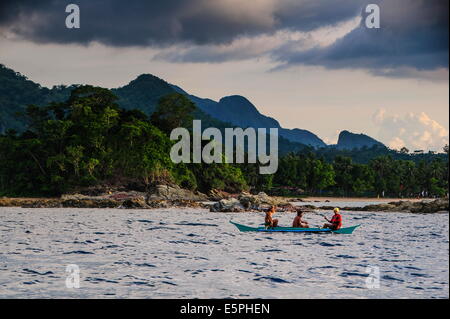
x=343, y=167
x=321, y=176
x=173, y=110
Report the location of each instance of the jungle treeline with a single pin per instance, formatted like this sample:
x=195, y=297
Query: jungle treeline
x=89, y=140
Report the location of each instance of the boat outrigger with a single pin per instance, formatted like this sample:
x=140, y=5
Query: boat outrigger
x=243, y=228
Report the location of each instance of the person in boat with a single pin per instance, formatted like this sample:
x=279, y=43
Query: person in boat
x=298, y=220
x=336, y=221
x=269, y=222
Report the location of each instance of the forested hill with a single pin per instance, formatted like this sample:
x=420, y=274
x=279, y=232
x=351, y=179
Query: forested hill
x=146, y=90
x=349, y=141
x=89, y=140
x=365, y=154
x=16, y=92
x=239, y=111
x=143, y=93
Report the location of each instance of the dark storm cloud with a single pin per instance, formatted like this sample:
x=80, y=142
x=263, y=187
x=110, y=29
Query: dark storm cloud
x=413, y=34
x=143, y=23
x=310, y=15
x=116, y=23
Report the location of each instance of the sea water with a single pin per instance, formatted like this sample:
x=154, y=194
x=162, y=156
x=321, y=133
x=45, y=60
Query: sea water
x=192, y=253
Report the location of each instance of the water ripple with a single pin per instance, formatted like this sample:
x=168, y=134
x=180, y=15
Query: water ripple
x=191, y=253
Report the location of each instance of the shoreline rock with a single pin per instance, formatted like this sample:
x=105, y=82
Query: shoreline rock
x=247, y=202
x=164, y=196
x=169, y=192
x=98, y=203
x=216, y=195
x=423, y=207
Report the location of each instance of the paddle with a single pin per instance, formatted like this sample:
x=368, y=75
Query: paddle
x=318, y=213
x=314, y=212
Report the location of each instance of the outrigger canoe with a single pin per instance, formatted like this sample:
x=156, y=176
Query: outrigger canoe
x=243, y=228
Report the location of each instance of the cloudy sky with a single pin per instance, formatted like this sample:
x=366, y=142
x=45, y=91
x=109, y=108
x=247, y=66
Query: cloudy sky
x=310, y=64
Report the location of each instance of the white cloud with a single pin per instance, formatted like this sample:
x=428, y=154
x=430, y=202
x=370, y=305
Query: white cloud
x=243, y=48
x=413, y=130
x=256, y=47
x=396, y=143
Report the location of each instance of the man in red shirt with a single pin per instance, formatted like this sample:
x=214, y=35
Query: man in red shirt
x=336, y=221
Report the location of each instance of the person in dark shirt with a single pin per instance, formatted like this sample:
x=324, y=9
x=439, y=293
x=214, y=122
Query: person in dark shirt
x=336, y=221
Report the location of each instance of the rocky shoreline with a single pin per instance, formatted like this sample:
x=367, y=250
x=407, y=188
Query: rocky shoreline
x=161, y=196
x=165, y=196
x=440, y=205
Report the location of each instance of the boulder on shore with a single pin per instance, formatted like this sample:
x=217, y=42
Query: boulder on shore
x=134, y=203
x=255, y=201
x=168, y=192
x=438, y=205
x=249, y=202
x=231, y=205
x=216, y=195
x=422, y=207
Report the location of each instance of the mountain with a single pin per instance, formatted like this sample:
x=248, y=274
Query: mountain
x=146, y=90
x=143, y=93
x=348, y=141
x=239, y=111
x=17, y=91
x=302, y=136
